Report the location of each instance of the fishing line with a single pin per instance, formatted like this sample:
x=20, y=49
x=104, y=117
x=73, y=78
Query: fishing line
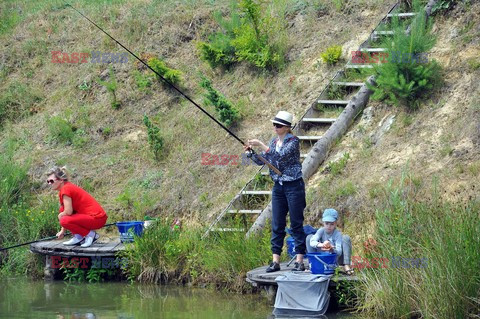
x=178, y=90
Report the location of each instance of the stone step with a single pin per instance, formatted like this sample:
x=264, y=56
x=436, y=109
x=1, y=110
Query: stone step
x=256, y=192
x=309, y=138
x=373, y=50
x=333, y=102
x=244, y=211
x=222, y=229
x=359, y=66
x=383, y=32
x=348, y=83
x=401, y=15
x=318, y=120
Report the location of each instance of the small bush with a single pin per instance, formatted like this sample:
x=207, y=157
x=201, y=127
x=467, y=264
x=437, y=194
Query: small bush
x=227, y=112
x=61, y=130
x=155, y=138
x=171, y=75
x=111, y=87
x=406, y=82
x=332, y=54
x=249, y=35
x=143, y=81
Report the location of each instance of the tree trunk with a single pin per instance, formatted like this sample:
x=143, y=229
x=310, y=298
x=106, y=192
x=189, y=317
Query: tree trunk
x=319, y=152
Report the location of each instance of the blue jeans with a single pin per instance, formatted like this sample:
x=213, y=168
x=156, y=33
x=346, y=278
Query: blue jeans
x=288, y=198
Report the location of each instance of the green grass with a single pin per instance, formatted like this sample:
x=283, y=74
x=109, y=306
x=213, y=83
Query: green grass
x=164, y=255
x=24, y=219
x=445, y=235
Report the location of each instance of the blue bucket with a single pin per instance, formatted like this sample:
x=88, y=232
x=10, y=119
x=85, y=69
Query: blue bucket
x=322, y=263
x=128, y=230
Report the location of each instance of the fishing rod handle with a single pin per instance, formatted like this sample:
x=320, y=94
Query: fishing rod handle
x=273, y=168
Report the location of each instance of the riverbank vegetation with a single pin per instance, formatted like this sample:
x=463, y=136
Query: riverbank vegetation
x=430, y=251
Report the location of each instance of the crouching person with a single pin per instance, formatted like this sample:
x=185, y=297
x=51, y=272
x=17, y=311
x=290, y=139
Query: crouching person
x=329, y=238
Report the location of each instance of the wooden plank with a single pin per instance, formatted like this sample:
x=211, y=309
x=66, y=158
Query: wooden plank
x=333, y=102
x=259, y=276
x=256, y=192
x=401, y=15
x=348, y=83
x=359, y=66
x=228, y=229
x=244, y=211
x=309, y=138
x=388, y=32
x=373, y=50
x=318, y=120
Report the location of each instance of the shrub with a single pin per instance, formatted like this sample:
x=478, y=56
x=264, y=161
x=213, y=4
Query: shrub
x=227, y=112
x=332, y=54
x=155, y=139
x=111, y=87
x=401, y=81
x=171, y=75
x=249, y=36
x=61, y=130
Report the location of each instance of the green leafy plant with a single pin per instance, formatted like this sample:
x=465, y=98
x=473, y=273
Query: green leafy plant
x=61, y=130
x=406, y=82
x=225, y=109
x=443, y=6
x=155, y=138
x=337, y=167
x=171, y=75
x=332, y=54
x=142, y=80
x=249, y=35
x=111, y=87
x=72, y=273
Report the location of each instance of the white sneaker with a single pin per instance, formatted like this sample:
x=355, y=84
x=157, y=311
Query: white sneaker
x=89, y=240
x=73, y=241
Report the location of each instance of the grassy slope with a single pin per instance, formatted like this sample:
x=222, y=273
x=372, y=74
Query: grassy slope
x=120, y=165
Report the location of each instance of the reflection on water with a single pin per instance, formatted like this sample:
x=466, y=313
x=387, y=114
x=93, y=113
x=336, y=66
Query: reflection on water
x=60, y=300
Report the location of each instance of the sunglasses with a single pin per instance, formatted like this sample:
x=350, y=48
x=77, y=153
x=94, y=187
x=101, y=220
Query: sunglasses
x=278, y=125
x=50, y=181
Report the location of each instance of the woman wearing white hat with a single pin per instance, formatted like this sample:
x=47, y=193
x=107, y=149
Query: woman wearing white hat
x=288, y=194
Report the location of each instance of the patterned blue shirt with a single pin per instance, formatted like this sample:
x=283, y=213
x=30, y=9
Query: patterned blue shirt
x=287, y=159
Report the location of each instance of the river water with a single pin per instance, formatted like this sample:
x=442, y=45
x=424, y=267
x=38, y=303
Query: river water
x=63, y=300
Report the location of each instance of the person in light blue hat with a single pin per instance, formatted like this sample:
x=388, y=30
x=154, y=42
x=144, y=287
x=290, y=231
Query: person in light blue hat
x=329, y=238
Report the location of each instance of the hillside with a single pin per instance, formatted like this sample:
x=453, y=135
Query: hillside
x=109, y=154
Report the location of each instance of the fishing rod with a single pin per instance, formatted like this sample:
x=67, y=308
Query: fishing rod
x=180, y=92
x=43, y=239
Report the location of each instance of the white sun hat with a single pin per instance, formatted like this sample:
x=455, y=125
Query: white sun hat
x=283, y=118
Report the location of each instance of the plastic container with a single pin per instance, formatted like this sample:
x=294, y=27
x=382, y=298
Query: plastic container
x=127, y=230
x=291, y=246
x=322, y=263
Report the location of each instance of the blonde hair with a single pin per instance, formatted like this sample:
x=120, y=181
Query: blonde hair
x=60, y=173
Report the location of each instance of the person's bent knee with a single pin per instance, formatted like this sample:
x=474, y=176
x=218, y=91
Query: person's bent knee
x=346, y=239
x=64, y=221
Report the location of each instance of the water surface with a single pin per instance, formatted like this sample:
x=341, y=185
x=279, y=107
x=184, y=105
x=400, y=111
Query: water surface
x=63, y=300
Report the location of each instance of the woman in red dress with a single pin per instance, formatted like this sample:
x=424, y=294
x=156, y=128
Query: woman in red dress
x=79, y=213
